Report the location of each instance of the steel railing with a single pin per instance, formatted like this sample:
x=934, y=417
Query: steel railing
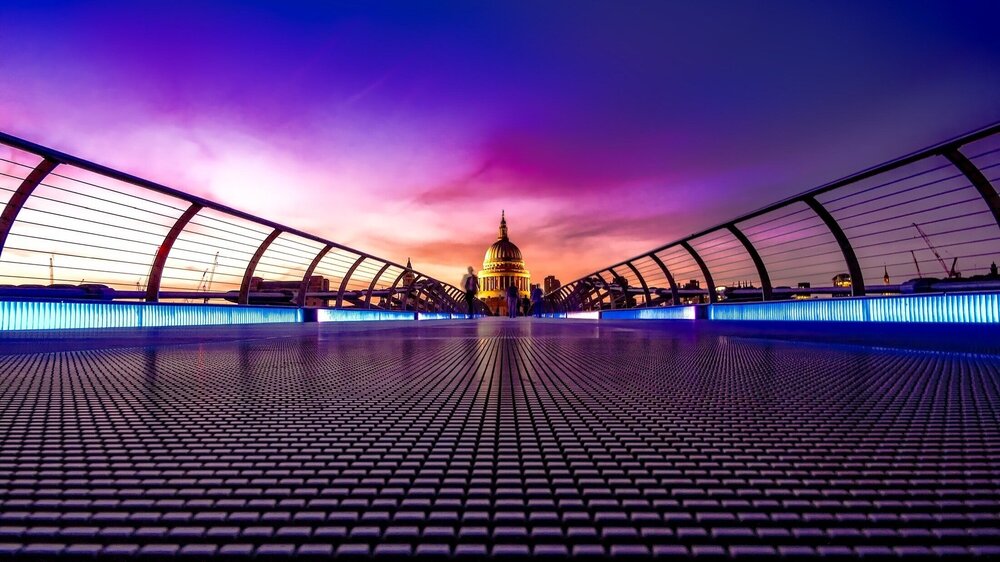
x=929, y=220
x=74, y=229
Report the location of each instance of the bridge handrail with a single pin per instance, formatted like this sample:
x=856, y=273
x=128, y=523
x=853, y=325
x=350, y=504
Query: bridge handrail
x=428, y=294
x=614, y=286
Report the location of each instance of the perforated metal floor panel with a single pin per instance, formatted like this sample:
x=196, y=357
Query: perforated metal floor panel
x=498, y=438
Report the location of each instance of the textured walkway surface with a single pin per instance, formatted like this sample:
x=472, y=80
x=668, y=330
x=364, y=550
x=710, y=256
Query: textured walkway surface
x=497, y=438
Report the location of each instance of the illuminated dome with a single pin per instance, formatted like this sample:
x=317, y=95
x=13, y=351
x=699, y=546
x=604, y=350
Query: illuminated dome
x=503, y=253
x=503, y=266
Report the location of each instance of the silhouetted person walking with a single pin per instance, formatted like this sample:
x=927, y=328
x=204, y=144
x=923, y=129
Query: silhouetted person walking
x=470, y=283
x=512, y=301
x=536, y=301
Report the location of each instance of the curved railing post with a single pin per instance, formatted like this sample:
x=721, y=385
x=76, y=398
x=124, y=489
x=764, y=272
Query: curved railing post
x=431, y=300
x=347, y=277
x=577, y=296
x=50, y=159
x=568, y=300
x=163, y=252
x=607, y=290
x=675, y=297
x=564, y=299
x=978, y=180
x=456, y=297
x=765, y=279
x=712, y=297
x=441, y=299
x=423, y=291
x=371, y=286
x=392, y=288
x=597, y=292
x=853, y=267
x=300, y=299
x=557, y=297
x=21, y=195
x=614, y=279
x=244, y=297
x=588, y=291
x=645, y=288
x=434, y=296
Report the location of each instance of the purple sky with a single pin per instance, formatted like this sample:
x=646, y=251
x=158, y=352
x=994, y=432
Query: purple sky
x=603, y=128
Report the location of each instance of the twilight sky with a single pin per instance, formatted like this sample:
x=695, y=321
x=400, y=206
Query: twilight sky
x=403, y=128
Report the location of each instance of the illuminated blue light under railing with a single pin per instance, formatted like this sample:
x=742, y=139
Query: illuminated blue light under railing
x=57, y=315
x=974, y=308
x=586, y=315
x=361, y=315
x=445, y=316
x=665, y=313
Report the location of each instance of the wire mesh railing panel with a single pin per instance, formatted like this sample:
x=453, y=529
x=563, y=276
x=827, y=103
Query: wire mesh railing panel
x=687, y=274
x=571, y=297
x=797, y=247
x=381, y=298
x=77, y=228
x=15, y=166
x=930, y=216
x=916, y=221
x=363, y=274
x=656, y=280
x=356, y=291
x=985, y=154
x=212, y=253
x=333, y=269
x=95, y=232
x=728, y=261
x=601, y=297
x=628, y=288
x=285, y=261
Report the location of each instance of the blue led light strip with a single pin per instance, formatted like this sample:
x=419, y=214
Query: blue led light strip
x=444, y=316
x=55, y=315
x=964, y=308
x=666, y=313
x=361, y=315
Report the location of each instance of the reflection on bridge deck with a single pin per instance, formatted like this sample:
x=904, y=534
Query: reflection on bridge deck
x=492, y=437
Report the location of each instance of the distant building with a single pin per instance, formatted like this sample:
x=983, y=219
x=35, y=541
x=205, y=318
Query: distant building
x=551, y=284
x=503, y=266
x=692, y=285
x=409, y=277
x=842, y=281
x=316, y=284
x=405, y=281
x=805, y=295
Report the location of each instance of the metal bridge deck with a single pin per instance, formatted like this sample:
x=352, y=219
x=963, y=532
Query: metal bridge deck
x=493, y=438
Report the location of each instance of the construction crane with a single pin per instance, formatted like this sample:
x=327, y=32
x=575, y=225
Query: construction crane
x=951, y=273
x=916, y=263
x=210, y=272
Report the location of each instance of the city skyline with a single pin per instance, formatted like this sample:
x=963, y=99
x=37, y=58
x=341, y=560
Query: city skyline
x=601, y=132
